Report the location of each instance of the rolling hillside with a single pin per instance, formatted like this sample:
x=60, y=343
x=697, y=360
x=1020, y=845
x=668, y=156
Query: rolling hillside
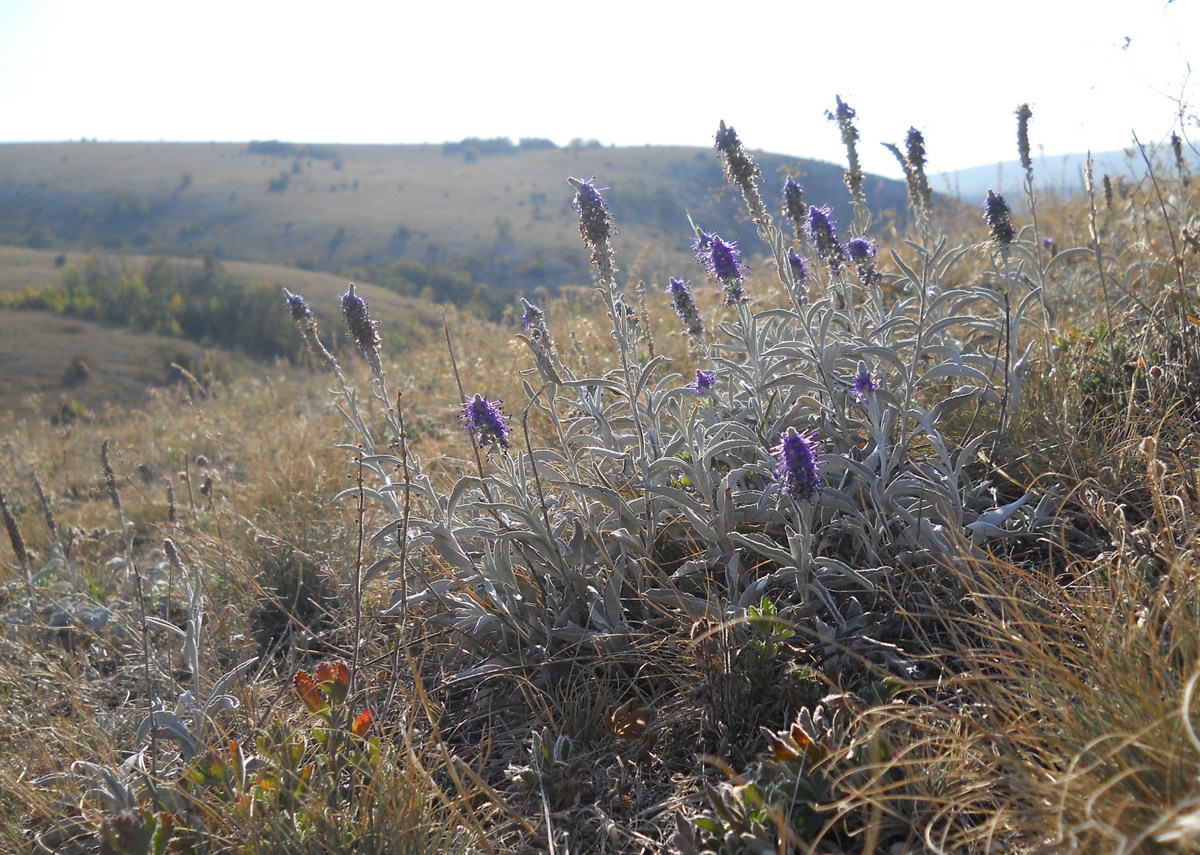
x=494, y=213
x=64, y=367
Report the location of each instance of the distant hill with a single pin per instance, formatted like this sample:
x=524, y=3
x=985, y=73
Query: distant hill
x=451, y=222
x=1058, y=174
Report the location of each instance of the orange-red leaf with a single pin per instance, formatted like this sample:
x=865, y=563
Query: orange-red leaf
x=363, y=721
x=334, y=678
x=309, y=691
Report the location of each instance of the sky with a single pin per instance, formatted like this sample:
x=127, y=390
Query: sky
x=624, y=72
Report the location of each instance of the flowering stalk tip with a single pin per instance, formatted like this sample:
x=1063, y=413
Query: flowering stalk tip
x=794, y=206
x=296, y=306
x=361, y=327
x=821, y=228
x=862, y=251
x=484, y=420
x=595, y=221
x=797, y=466
x=999, y=218
x=533, y=317
x=704, y=382
x=723, y=261
x=685, y=306
x=864, y=385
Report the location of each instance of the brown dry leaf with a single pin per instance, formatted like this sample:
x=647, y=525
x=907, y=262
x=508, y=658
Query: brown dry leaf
x=628, y=721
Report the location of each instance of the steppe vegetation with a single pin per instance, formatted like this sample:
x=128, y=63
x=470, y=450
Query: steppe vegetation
x=856, y=542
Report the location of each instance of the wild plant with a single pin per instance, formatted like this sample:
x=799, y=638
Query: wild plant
x=825, y=445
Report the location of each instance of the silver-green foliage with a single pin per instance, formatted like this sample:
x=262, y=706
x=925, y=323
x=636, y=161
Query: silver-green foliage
x=653, y=497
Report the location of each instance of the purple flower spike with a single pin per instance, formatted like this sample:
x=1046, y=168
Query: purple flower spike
x=915, y=144
x=685, y=306
x=797, y=466
x=821, y=228
x=860, y=249
x=703, y=383
x=794, y=207
x=484, y=420
x=739, y=168
x=533, y=316
x=595, y=221
x=864, y=386
x=361, y=327
x=298, y=308
x=723, y=260
x=799, y=267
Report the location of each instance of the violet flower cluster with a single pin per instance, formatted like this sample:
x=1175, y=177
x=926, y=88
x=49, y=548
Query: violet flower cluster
x=799, y=267
x=362, y=328
x=864, y=385
x=797, y=466
x=485, y=421
x=723, y=261
x=595, y=221
x=533, y=317
x=703, y=383
x=739, y=168
x=862, y=251
x=298, y=308
x=685, y=306
x=821, y=228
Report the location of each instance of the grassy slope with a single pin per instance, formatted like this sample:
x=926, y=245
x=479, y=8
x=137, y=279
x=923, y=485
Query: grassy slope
x=37, y=348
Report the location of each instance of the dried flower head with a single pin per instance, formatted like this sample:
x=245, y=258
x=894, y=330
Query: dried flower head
x=739, y=168
x=797, y=466
x=794, y=206
x=999, y=218
x=484, y=420
x=14, y=531
x=844, y=117
x=362, y=328
x=919, y=190
x=1024, y=114
x=723, y=260
x=742, y=171
x=685, y=306
x=703, y=383
x=110, y=479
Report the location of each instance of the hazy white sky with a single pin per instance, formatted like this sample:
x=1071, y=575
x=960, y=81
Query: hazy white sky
x=627, y=72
